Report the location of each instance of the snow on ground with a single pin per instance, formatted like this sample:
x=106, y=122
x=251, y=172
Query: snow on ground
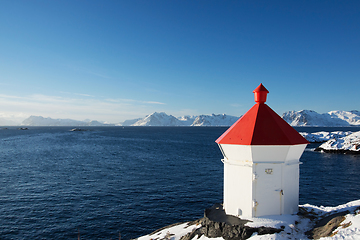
x=350, y=143
x=295, y=226
x=324, y=136
x=172, y=232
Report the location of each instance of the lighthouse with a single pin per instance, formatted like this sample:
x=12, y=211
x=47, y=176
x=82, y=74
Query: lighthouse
x=261, y=162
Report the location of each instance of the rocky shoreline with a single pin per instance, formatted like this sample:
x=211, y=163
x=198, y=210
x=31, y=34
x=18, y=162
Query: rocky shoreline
x=309, y=223
x=336, y=151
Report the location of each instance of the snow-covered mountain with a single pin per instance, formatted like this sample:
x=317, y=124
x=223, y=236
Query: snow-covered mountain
x=352, y=117
x=162, y=119
x=7, y=122
x=129, y=122
x=187, y=120
x=330, y=119
x=41, y=121
x=154, y=119
x=294, y=118
x=214, y=120
x=159, y=119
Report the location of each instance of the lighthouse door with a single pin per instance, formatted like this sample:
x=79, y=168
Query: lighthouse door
x=268, y=189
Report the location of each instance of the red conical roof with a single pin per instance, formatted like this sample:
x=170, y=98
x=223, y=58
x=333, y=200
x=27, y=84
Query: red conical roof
x=261, y=126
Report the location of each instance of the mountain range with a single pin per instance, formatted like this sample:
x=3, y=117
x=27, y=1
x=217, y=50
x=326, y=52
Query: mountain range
x=294, y=118
x=41, y=121
x=162, y=119
x=330, y=119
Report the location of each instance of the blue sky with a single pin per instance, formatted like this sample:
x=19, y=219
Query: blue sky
x=117, y=60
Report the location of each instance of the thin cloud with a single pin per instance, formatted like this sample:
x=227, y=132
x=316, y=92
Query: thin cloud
x=133, y=101
x=48, y=99
x=111, y=110
x=78, y=94
x=9, y=96
x=151, y=102
x=236, y=105
x=86, y=70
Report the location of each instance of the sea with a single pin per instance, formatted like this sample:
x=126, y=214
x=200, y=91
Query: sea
x=107, y=182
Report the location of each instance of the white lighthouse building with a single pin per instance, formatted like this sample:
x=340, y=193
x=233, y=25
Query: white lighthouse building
x=261, y=163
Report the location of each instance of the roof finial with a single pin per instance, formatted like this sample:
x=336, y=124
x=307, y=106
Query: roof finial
x=260, y=94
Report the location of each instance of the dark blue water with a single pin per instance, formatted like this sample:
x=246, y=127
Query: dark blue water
x=328, y=179
x=55, y=183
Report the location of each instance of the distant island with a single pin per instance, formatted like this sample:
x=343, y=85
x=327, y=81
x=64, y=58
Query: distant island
x=294, y=118
x=41, y=121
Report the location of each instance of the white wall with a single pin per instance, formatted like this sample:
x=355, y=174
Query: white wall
x=291, y=188
x=238, y=189
x=259, y=153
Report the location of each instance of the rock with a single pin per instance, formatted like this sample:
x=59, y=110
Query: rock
x=340, y=151
x=216, y=223
x=191, y=235
x=327, y=225
x=78, y=130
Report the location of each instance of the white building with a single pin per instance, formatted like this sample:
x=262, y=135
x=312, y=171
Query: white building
x=261, y=163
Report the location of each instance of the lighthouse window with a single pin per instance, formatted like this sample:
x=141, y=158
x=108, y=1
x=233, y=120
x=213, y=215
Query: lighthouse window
x=269, y=170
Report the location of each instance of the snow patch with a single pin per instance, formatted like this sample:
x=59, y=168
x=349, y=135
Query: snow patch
x=323, y=136
x=348, y=143
x=171, y=232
